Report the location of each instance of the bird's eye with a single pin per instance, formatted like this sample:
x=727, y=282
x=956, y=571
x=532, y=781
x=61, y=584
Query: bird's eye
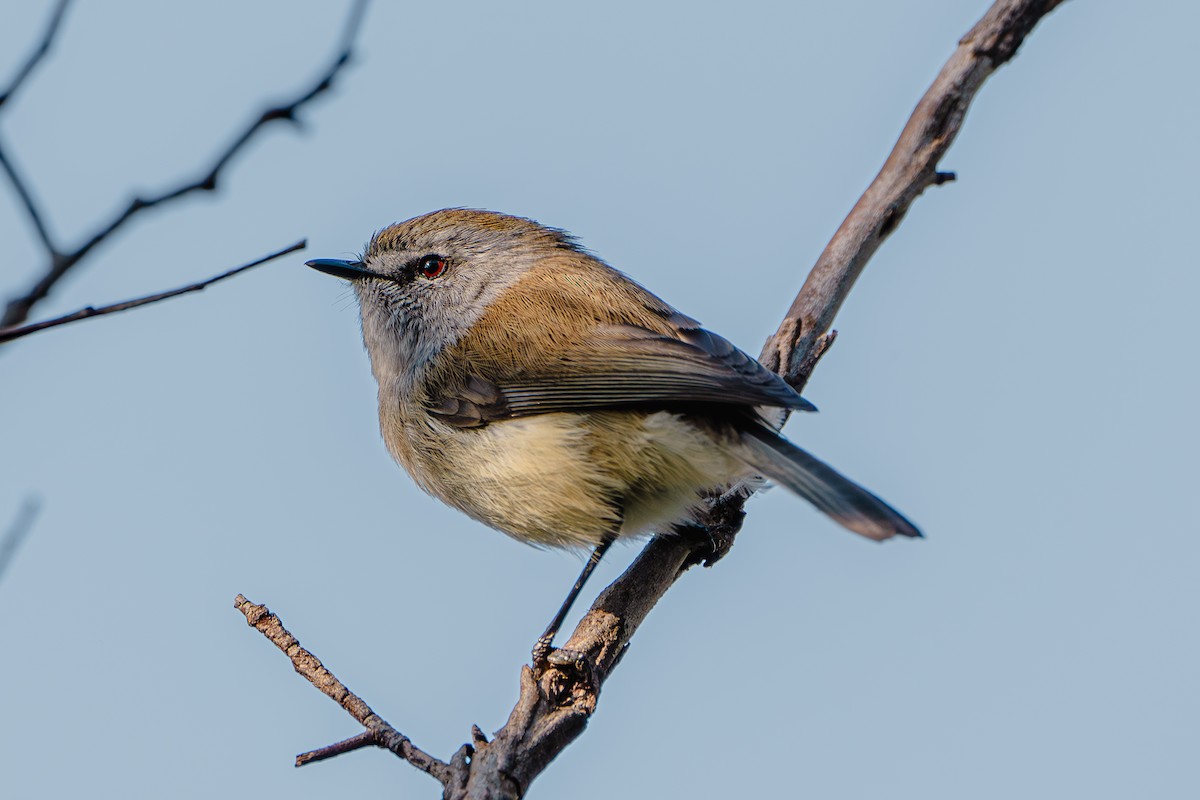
x=432, y=266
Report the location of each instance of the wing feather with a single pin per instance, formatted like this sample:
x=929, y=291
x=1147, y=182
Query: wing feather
x=547, y=346
x=622, y=366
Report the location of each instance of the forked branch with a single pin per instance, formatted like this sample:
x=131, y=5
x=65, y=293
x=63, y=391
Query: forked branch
x=379, y=732
x=61, y=261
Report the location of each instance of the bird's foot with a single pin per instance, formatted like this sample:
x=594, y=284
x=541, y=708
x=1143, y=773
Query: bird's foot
x=547, y=656
x=542, y=651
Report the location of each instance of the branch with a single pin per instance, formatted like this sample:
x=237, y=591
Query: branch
x=379, y=732
x=909, y=170
x=23, y=193
x=17, y=331
x=31, y=208
x=18, y=531
x=61, y=263
x=37, y=55
x=555, y=705
x=553, y=711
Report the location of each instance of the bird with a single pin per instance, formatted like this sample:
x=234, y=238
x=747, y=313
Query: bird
x=525, y=382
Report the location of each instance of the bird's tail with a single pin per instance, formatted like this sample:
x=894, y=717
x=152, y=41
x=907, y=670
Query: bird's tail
x=847, y=503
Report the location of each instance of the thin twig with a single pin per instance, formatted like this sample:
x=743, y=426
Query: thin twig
x=312, y=670
x=31, y=208
x=61, y=263
x=18, y=531
x=23, y=192
x=17, y=331
x=364, y=739
x=37, y=55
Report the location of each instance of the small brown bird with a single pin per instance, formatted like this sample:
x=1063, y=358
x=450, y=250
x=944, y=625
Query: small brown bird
x=525, y=382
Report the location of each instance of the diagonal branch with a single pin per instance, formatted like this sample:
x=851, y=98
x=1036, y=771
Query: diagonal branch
x=19, y=308
x=37, y=55
x=553, y=711
x=31, y=208
x=381, y=734
x=555, y=704
x=910, y=168
x=16, y=332
x=23, y=193
x=18, y=531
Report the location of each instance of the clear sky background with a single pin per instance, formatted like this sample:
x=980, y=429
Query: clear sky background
x=1015, y=371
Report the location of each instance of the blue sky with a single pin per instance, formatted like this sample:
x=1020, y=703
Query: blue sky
x=1011, y=372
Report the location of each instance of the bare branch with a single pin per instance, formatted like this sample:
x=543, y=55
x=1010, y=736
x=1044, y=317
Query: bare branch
x=23, y=193
x=555, y=704
x=37, y=55
x=552, y=711
x=312, y=670
x=19, y=308
x=31, y=208
x=909, y=170
x=17, y=331
x=18, y=531
x=364, y=739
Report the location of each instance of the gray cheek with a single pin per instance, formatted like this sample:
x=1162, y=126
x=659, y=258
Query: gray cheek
x=391, y=339
x=404, y=332
x=449, y=310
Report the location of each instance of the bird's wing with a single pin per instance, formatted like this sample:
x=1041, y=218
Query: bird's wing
x=620, y=366
x=547, y=346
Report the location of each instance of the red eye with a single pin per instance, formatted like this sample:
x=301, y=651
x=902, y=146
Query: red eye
x=432, y=266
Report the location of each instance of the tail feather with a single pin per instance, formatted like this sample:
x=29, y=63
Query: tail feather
x=843, y=500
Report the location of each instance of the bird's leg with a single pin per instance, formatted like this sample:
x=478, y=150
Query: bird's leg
x=545, y=642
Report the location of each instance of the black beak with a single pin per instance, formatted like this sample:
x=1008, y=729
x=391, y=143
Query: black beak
x=349, y=270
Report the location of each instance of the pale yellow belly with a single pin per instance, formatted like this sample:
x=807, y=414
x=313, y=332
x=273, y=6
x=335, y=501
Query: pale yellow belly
x=570, y=480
